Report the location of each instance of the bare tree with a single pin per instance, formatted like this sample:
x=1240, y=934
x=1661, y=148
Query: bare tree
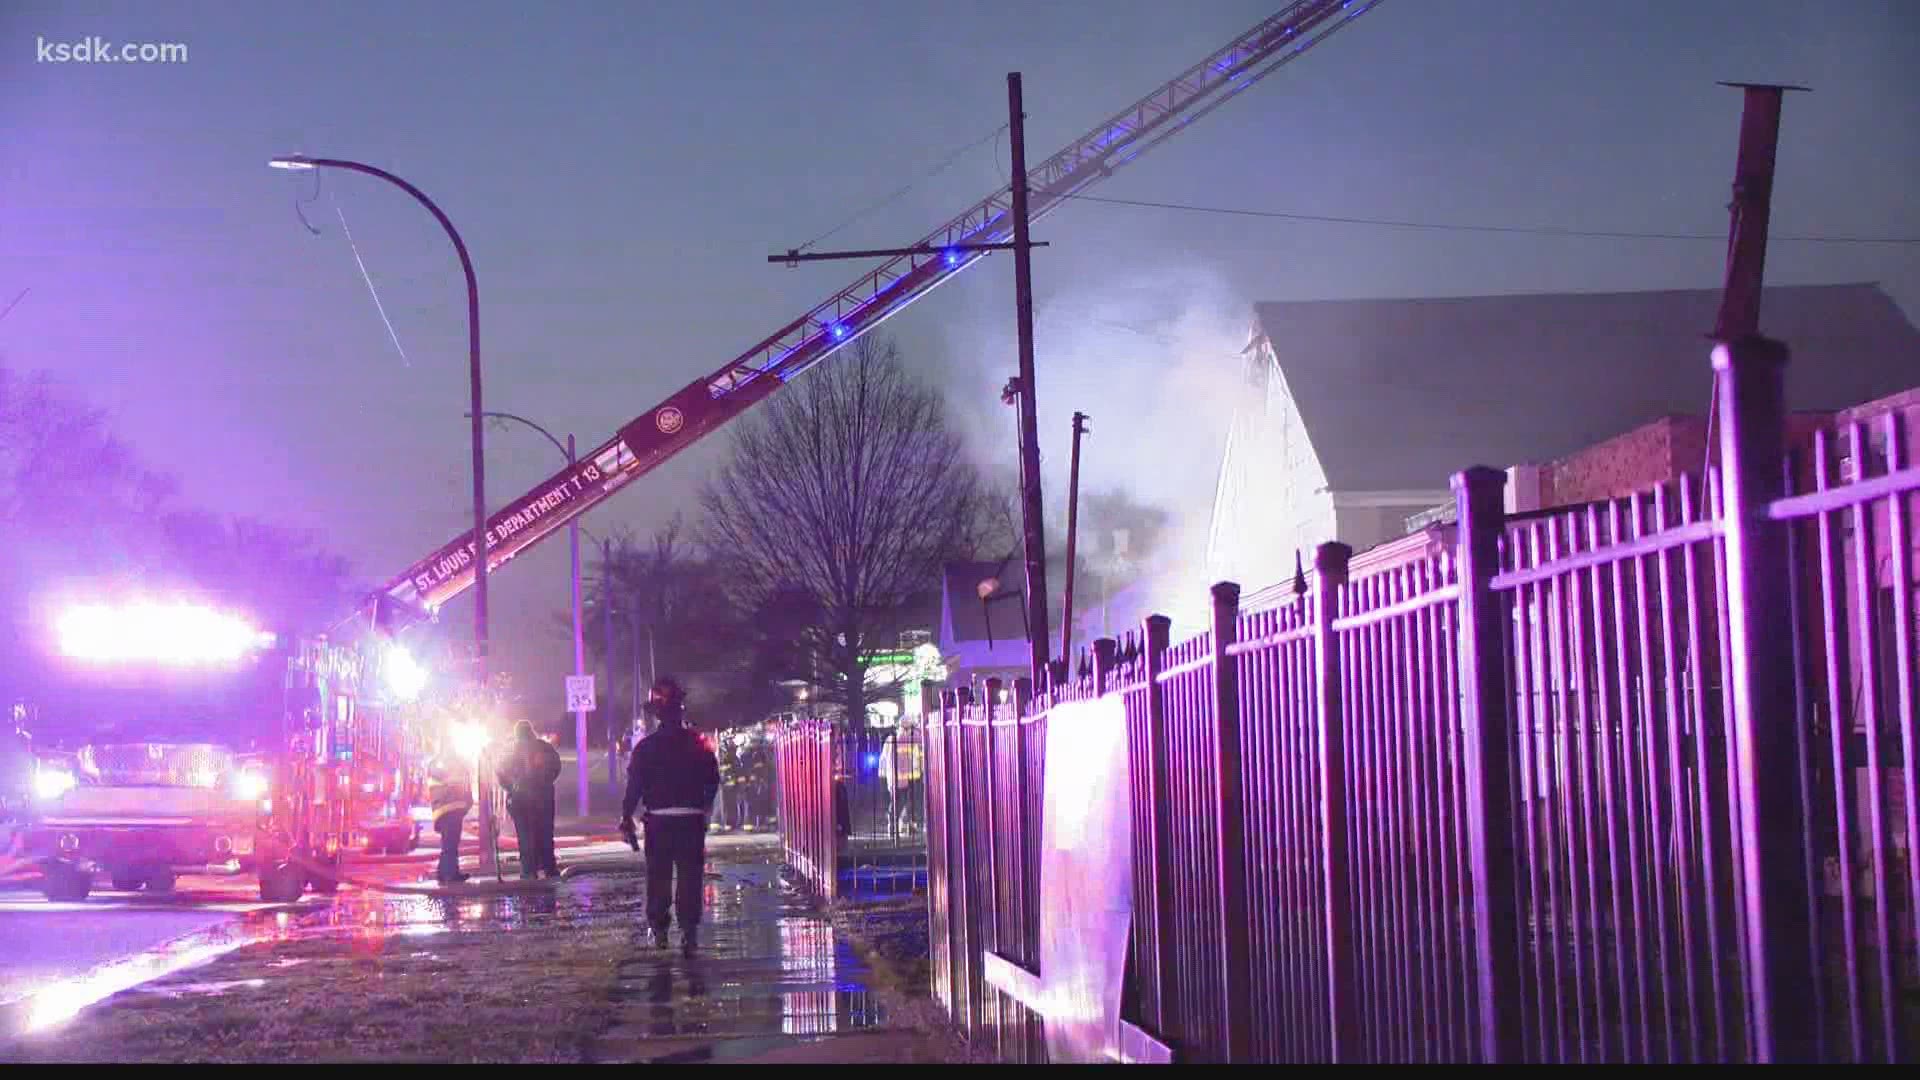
x=668, y=611
x=848, y=489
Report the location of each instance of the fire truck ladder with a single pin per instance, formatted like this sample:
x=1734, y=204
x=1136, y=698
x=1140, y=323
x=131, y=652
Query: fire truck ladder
x=707, y=403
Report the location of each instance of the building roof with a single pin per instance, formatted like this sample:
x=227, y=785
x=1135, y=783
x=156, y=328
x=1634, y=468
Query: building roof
x=1398, y=394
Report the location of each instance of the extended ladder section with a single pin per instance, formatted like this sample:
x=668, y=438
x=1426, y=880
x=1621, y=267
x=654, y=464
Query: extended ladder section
x=707, y=403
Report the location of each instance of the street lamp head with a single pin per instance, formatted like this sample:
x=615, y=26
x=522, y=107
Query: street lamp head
x=295, y=162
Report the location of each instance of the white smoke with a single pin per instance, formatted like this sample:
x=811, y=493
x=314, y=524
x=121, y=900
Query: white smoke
x=1153, y=358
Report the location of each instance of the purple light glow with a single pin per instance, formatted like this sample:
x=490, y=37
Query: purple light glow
x=178, y=634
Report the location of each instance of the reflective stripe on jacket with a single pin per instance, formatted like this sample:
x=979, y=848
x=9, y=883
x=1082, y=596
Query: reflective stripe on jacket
x=449, y=796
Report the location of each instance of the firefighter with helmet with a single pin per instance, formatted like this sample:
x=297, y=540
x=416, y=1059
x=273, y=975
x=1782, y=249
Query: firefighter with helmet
x=673, y=777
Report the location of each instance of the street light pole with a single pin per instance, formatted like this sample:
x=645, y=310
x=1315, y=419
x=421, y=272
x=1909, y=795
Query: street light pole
x=606, y=620
x=581, y=794
x=301, y=163
x=297, y=162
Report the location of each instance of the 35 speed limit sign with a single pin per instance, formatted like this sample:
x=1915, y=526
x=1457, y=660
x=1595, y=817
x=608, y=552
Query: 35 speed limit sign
x=579, y=693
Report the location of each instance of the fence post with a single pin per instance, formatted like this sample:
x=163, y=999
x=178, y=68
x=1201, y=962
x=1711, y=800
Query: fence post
x=1480, y=501
x=1749, y=378
x=1160, y=812
x=1103, y=654
x=1336, y=875
x=827, y=754
x=1230, y=829
x=993, y=1001
x=951, y=796
x=1032, y=1033
x=969, y=864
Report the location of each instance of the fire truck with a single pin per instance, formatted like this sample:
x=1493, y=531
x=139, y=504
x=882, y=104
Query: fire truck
x=171, y=737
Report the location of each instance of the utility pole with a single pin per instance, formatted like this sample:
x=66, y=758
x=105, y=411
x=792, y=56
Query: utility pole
x=639, y=691
x=1020, y=389
x=1033, y=525
x=1073, y=526
x=1751, y=210
x=1767, y=739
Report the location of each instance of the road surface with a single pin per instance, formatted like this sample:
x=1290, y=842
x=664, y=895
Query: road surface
x=43, y=943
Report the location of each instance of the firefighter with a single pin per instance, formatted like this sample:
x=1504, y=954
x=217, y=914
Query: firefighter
x=16, y=781
x=675, y=777
x=16, y=759
x=528, y=775
x=842, y=811
x=451, y=792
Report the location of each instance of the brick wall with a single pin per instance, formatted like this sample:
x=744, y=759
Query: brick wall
x=1660, y=452
x=1625, y=463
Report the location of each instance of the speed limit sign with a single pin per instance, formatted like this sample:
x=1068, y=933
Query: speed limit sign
x=580, y=693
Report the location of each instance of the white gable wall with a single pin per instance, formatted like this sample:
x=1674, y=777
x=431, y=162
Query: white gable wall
x=1273, y=499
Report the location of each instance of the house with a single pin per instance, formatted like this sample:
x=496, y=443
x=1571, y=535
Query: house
x=1358, y=411
x=983, y=632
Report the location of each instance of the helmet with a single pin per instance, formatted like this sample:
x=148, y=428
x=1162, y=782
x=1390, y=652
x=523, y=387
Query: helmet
x=667, y=698
x=669, y=694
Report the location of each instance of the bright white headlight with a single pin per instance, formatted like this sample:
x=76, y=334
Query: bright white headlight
x=51, y=782
x=250, y=784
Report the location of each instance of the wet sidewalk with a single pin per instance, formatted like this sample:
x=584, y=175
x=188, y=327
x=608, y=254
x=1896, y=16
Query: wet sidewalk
x=557, y=972
x=772, y=974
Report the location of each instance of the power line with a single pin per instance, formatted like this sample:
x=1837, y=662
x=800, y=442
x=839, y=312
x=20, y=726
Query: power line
x=944, y=165
x=368, y=278
x=1455, y=227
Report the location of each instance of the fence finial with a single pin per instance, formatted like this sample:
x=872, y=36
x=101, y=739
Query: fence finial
x=1299, y=575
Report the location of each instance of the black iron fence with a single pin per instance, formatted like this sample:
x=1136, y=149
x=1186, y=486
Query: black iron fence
x=1627, y=782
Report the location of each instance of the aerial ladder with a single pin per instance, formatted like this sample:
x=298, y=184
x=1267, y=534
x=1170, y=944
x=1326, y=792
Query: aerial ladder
x=705, y=404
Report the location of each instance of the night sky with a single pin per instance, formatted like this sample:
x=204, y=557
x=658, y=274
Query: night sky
x=621, y=171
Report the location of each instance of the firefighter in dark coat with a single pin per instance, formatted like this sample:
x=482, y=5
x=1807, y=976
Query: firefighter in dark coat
x=528, y=775
x=674, y=777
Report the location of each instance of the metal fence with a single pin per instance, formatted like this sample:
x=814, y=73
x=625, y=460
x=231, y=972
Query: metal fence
x=1627, y=782
x=804, y=756
x=1856, y=664
x=986, y=757
x=883, y=770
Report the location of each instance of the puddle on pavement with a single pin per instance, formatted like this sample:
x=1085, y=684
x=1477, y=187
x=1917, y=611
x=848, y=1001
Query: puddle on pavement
x=770, y=971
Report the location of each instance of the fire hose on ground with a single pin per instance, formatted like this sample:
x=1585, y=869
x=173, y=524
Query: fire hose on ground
x=334, y=874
